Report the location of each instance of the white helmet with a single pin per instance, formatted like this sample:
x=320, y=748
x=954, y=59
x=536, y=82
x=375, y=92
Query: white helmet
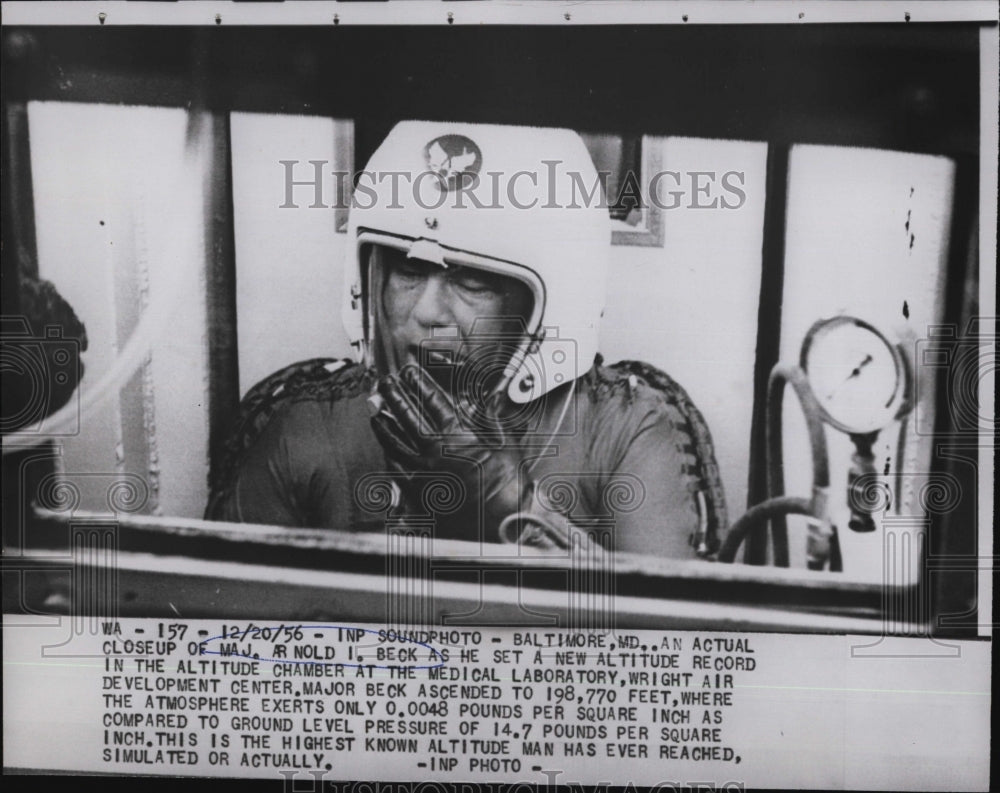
x=519, y=201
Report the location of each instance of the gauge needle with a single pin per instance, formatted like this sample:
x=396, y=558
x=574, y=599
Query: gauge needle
x=855, y=372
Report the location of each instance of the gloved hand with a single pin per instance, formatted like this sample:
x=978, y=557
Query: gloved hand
x=423, y=429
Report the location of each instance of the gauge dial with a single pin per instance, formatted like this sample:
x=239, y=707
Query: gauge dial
x=855, y=373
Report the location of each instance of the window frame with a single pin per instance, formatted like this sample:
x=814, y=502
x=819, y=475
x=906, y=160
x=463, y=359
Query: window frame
x=649, y=232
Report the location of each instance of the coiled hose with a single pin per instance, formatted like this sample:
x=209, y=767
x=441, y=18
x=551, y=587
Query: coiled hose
x=778, y=506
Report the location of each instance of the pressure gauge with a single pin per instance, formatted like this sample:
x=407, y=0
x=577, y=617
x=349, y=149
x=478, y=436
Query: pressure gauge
x=856, y=374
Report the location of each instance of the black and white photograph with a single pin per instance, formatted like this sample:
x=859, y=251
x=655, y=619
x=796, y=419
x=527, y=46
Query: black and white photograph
x=440, y=332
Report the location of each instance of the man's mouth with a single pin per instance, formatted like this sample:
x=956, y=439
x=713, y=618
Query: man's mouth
x=453, y=368
x=439, y=363
x=426, y=355
x=438, y=357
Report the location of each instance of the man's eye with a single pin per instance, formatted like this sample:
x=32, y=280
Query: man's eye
x=474, y=285
x=410, y=272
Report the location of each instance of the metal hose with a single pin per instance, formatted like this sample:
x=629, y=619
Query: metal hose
x=777, y=505
x=780, y=376
x=755, y=516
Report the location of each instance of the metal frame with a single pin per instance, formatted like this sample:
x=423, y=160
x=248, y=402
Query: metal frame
x=166, y=566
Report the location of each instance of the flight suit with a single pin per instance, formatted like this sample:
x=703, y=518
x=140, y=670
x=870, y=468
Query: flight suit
x=622, y=449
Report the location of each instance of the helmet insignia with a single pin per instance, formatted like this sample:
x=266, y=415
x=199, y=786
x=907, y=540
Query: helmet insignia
x=450, y=158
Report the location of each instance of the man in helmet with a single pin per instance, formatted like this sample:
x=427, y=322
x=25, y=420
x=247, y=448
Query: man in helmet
x=475, y=275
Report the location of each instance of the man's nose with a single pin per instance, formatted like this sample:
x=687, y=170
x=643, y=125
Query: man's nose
x=433, y=307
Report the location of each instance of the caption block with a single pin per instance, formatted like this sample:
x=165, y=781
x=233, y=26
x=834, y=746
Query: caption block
x=236, y=697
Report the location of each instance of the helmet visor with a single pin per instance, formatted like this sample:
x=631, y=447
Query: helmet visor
x=468, y=320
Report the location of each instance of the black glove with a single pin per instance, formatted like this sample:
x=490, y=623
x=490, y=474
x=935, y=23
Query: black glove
x=423, y=429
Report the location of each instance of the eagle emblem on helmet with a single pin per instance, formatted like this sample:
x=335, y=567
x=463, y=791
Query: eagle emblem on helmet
x=454, y=159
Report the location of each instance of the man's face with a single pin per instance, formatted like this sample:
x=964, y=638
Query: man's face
x=487, y=310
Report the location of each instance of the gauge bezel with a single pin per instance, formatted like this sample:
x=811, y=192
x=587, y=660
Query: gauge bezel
x=897, y=403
